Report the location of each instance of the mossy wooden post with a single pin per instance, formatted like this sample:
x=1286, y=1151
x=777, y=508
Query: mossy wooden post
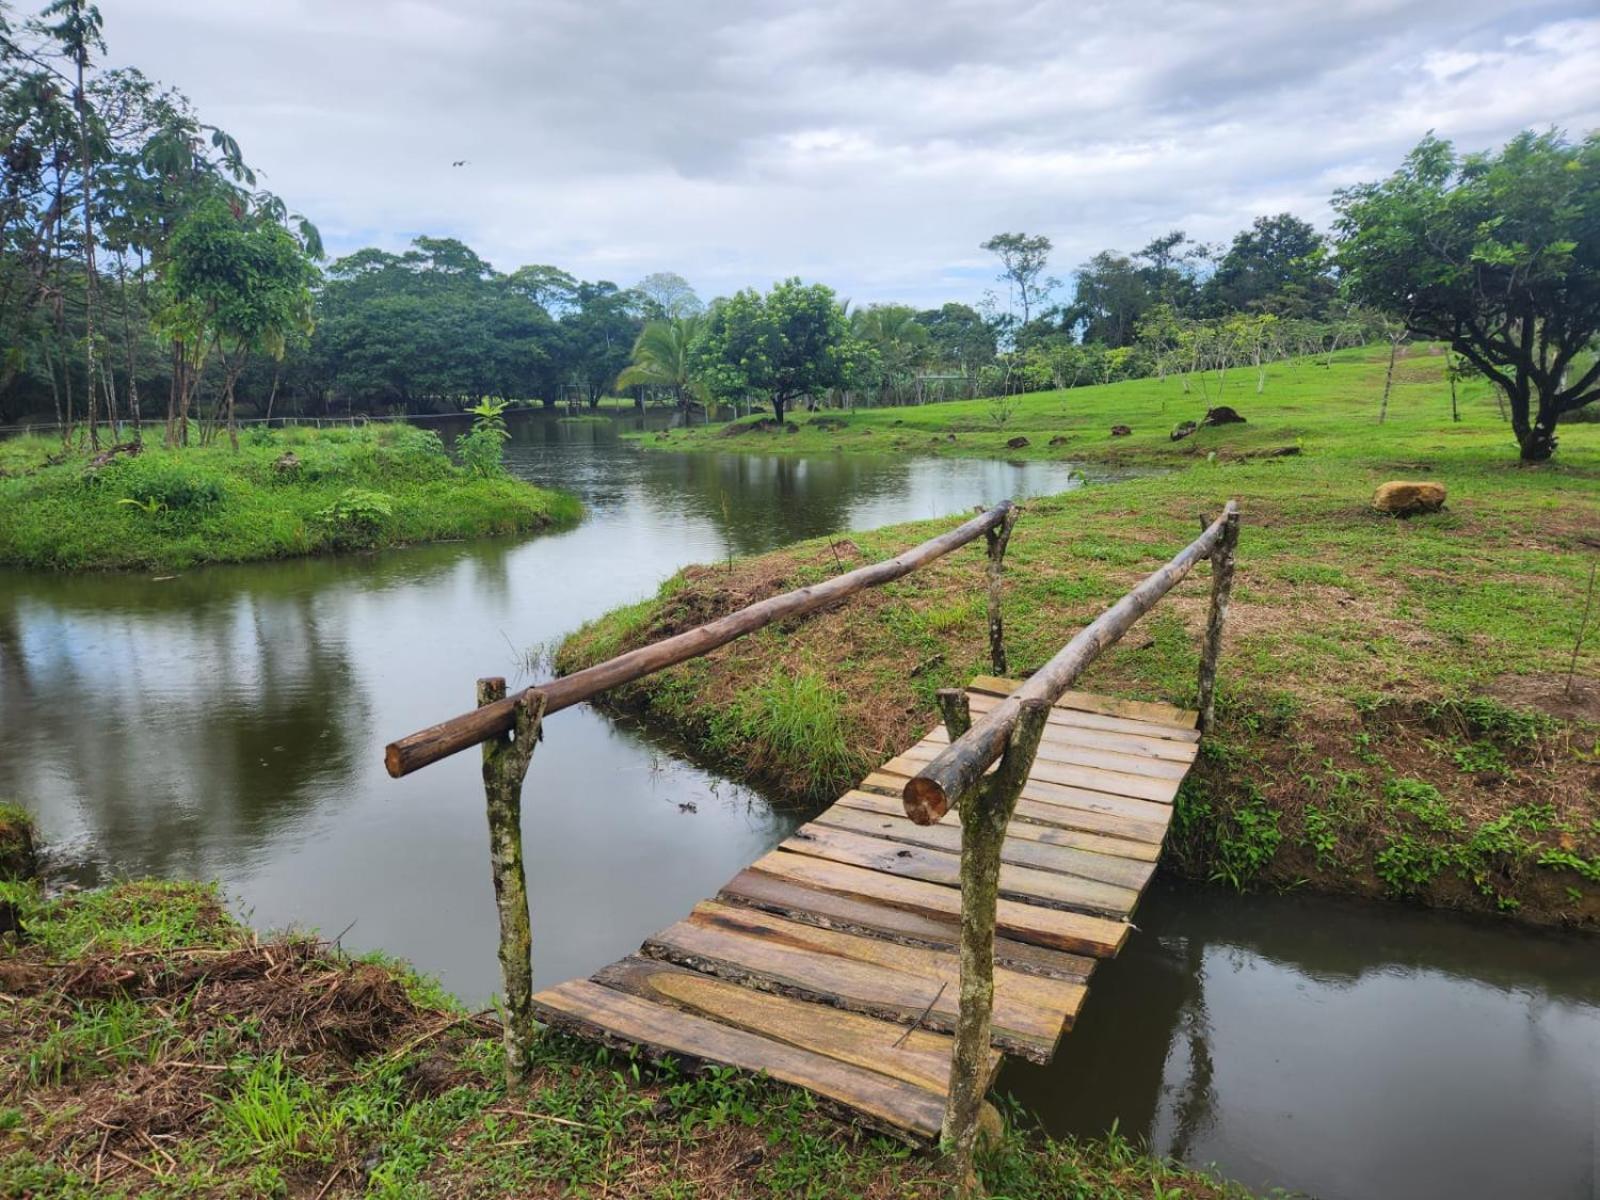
x=1221, y=588
x=505, y=765
x=956, y=708
x=997, y=538
x=985, y=814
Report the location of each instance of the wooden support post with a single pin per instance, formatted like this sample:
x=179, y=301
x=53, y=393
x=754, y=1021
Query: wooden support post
x=985, y=814
x=956, y=708
x=505, y=765
x=1222, y=556
x=997, y=539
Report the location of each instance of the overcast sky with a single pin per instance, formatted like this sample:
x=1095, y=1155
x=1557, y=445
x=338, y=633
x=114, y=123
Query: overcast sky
x=869, y=144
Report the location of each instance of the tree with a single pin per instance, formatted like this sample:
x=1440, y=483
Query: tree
x=666, y=295
x=1022, y=263
x=599, y=334
x=240, y=282
x=960, y=337
x=898, y=340
x=1277, y=265
x=663, y=358
x=1110, y=296
x=1496, y=254
x=790, y=343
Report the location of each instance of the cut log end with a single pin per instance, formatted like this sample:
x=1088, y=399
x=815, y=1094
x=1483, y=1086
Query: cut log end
x=925, y=801
x=392, y=760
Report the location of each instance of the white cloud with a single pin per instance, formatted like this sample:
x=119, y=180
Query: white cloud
x=872, y=146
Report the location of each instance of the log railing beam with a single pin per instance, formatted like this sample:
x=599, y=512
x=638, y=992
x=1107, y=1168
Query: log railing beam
x=957, y=770
x=490, y=720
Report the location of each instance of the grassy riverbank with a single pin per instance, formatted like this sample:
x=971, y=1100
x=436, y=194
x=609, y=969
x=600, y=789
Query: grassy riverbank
x=151, y=1046
x=1394, y=715
x=285, y=493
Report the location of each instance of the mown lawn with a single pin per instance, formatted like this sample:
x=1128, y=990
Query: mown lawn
x=285, y=493
x=152, y=1047
x=1394, y=715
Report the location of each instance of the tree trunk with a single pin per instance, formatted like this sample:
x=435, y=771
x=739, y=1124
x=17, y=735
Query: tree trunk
x=778, y=403
x=1539, y=442
x=1388, y=380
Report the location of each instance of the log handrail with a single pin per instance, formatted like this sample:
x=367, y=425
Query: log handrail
x=953, y=774
x=461, y=732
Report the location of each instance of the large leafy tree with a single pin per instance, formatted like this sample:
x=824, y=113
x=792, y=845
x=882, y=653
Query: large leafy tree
x=599, y=334
x=1277, y=265
x=959, y=337
x=790, y=343
x=1497, y=254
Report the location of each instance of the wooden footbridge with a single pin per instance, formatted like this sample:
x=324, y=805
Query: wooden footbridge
x=949, y=909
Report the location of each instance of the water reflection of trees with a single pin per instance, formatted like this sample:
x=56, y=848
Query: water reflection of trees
x=758, y=502
x=177, y=723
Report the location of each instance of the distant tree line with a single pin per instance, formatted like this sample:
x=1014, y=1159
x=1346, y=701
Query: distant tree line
x=144, y=277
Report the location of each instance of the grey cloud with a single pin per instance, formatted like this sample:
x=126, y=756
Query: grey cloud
x=871, y=145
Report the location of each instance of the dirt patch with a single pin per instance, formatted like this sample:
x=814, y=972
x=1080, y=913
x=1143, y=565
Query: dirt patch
x=192, y=1013
x=1548, y=693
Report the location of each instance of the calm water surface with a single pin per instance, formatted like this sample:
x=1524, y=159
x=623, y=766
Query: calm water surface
x=229, y=724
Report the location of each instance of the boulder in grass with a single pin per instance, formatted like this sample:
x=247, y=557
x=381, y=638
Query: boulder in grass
x=1183, y=431
x=1016, y=443
x=1060, y=439
x=1222, y=415
x=1121, y=431
x=1403, y=499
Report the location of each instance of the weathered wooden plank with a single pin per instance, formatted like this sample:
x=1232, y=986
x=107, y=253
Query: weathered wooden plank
x=1077, y=753
x=1030, y=821
x=1017, y=850
x=861, y=974
x=812, y=906
x=935, y=866
x=1032, y=923
x=1093, y=779
x=1067, y=737
x=1069, y=720
x=1141, y=819
x=607, y=1015
x=1136, y=710
x=917, y=1056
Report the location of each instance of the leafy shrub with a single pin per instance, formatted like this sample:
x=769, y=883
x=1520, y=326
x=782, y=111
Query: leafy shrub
x=1407, y=865
x=480, y=449
x=357, y=518
x=1248, y=843
x=163, y=486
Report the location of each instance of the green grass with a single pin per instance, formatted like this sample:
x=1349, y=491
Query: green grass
x=156, y=1048
x=353, y=489
x=1361, y=648
x=17, y=841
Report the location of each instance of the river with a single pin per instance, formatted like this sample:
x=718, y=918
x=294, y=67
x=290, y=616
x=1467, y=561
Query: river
x=228, y=723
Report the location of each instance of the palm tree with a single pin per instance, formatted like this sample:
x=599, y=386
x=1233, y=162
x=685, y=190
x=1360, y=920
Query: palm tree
x=899, y=338
x=661, y=359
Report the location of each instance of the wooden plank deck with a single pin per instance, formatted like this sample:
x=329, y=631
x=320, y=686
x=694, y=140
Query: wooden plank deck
x=831, y=963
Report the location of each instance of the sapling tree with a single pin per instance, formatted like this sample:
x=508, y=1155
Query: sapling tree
x=1496, y=254
x=239, y=282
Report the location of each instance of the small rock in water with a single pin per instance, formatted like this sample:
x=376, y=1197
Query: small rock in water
x=1403, y=499
x=1121, y=431
x=688, y=806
